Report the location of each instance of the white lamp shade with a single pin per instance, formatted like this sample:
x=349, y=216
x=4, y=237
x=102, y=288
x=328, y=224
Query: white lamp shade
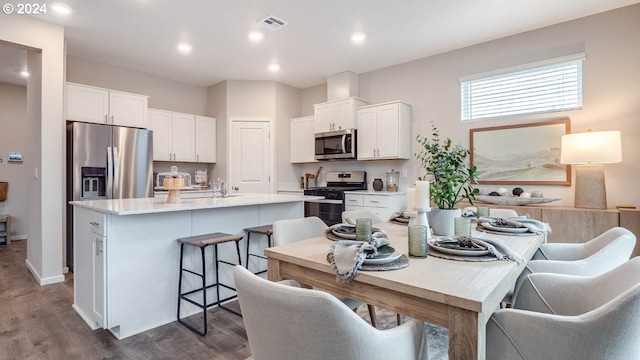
x=591, y=148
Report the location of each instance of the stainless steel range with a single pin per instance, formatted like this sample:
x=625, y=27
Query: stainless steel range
x=331, y=207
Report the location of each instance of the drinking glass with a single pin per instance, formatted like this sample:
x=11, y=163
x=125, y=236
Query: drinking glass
x=462, y=226
x=418, y=241
x=483, y=211
x=363, y=229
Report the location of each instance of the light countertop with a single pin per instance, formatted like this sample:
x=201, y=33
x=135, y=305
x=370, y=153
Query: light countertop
x=159, y=205
x=372, y=192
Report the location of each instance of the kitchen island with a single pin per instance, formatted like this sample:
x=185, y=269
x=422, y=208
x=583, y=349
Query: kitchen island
x=127, y=258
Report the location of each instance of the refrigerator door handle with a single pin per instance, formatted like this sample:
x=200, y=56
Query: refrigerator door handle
x=109, y=190
x=116, y=174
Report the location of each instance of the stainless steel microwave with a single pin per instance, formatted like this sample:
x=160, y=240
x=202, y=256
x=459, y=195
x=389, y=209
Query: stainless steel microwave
x=336, y=145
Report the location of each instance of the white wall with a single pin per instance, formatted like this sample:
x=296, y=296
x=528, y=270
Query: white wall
x=14, y=137
x=287, y=107
x=45, y=42
x=163, y=93
x=611, y=76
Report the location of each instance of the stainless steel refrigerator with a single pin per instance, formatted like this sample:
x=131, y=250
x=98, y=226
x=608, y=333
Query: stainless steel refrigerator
x=106, y=162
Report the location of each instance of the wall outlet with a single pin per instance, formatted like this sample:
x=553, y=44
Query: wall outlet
x=404, y=172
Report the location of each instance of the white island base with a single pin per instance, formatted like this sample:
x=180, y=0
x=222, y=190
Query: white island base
x=127, y=258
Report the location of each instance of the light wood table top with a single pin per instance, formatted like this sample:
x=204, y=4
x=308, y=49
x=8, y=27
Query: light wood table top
x=458, y=295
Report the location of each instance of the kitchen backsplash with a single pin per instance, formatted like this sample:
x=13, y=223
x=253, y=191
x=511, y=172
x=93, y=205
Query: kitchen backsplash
x=375, y=170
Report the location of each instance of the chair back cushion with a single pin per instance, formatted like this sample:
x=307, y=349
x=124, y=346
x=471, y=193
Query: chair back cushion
x=284, y=322
x=288, y=231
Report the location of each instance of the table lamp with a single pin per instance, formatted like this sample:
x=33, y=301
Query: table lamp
x=589, y=151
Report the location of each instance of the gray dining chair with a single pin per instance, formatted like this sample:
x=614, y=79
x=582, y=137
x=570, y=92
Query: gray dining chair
x=291, y=230
x=291, y=323
x=560, y=316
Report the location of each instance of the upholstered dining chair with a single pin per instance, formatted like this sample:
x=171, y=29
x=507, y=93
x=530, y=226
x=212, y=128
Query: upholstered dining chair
x=291, y=230
x=595, y=257
x=611, y=248
x=560, y=316
x=502, y=213
x=350, y=216
x=292, y=323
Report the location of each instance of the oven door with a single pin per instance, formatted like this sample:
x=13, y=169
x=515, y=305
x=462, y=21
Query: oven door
x=330, y=211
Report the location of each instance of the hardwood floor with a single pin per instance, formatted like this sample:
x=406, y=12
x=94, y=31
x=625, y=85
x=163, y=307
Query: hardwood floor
x=37, y=322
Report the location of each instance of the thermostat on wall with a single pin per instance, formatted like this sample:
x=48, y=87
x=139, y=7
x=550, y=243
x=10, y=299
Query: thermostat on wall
x=15, y=157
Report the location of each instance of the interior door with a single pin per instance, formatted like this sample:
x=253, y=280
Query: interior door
x=250, y=157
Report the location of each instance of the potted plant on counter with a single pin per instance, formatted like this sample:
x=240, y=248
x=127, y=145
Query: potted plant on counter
x=449, y=176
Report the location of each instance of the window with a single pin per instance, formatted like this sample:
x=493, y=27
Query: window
x=546, y=86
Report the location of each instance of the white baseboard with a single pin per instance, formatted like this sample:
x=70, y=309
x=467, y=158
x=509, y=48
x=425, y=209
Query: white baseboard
x=40, y=279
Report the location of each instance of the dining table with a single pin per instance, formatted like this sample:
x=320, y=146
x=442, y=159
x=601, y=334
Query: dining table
x=457, y=295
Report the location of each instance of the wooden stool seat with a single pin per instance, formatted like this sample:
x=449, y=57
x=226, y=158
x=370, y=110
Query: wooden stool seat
x=202, y=241
x=209, y=239
x=266, y=230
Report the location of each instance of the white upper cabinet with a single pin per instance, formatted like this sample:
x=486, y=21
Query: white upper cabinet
x=384, y=131
x=103, y=106
x=182, y=137
x=302, y=142
x=183, y=131
x=205, y=139
x=337, y=115
x=160, y=123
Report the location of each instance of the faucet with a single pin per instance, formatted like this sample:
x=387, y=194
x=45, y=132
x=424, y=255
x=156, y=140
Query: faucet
x=219, y=188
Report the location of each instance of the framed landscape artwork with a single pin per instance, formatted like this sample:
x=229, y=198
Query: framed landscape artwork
x=523, y=154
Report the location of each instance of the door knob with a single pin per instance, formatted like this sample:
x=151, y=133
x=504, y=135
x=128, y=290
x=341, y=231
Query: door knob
x=236, y=188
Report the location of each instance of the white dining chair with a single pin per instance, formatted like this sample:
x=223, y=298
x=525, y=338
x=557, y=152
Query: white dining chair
x=558, y=316
x=291, y=230
x=291, y=323
x=595, y=257
x=614, y=247
x=502, y=213
x=350, y=216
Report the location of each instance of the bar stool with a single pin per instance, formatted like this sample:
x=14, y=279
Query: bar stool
x=266, y=230
x=202, y=241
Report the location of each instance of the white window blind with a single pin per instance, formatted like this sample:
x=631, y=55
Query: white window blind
x=540, y=87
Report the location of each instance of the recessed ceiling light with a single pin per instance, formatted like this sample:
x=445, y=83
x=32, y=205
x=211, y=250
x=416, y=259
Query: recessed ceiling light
x=358, y=37
x=24, y=73
x=256, y=36
x=274, y=67
x=184, y=47
x=61, y=8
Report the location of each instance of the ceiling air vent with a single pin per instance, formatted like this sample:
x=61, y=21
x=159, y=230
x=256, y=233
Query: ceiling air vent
x=272, y=23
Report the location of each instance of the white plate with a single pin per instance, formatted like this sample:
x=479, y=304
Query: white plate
x=507, y=229
x=457, y=251
x=384, y=260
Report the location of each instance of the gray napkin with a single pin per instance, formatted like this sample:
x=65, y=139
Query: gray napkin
x=498, y=248
x=347, y=256
x=534, y=226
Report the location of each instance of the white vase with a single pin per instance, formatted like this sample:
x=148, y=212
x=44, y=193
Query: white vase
x=441, y=220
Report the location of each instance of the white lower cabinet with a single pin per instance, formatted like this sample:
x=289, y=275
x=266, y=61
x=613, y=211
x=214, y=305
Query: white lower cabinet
x=383, y=204
x=90, y=239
